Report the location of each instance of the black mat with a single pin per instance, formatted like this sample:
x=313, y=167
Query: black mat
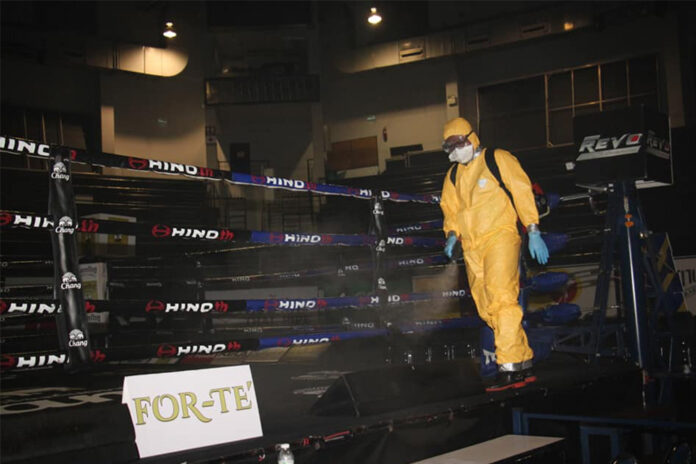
x=80, y=418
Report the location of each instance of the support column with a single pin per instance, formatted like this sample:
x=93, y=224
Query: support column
x=632, y=274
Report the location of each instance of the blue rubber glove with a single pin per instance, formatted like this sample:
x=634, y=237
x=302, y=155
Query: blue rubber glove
x=537, y=247
x=449, y=246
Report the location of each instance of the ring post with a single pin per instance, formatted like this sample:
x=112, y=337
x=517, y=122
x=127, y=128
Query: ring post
x=73, y=334
x=378, y=229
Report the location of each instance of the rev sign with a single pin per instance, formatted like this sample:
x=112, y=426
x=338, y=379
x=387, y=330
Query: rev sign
x=178, y=411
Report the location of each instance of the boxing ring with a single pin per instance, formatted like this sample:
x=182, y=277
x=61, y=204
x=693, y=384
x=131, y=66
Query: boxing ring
x=61, y=395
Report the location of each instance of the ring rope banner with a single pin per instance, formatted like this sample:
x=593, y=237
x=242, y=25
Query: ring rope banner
x=10, y=308
x=431, y=259
x=176, y=351
x=435, y=224
x=34, y=148
x=345, y=302
x=42, y=359
x=166, y=231
x=228, y=281
x=234, y=281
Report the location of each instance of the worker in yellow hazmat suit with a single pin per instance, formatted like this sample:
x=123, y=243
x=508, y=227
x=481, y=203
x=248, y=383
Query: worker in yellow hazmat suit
x=480, y=214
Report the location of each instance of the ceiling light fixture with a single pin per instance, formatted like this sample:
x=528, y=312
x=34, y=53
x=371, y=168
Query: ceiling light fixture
x=169, y=30
x=374, y=17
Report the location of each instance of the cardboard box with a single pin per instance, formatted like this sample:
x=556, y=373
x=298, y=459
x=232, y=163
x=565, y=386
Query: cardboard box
x=95, y=286
x=95, y=280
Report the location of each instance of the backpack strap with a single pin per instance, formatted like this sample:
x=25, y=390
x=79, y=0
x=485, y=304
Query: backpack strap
x=492, y=165
x=453, y=173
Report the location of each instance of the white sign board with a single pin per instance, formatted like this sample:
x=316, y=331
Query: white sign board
x=176, y=411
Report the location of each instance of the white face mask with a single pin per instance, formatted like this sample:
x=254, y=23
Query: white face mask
x=462, y=155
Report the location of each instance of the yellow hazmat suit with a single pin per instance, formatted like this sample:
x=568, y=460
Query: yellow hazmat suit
x=481, y=215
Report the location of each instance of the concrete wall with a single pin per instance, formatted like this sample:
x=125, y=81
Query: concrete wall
x=408, y=101
x=157, y=118
x=160, y=117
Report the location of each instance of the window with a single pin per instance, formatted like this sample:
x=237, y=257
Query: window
x=538, y=111
x=513, y=114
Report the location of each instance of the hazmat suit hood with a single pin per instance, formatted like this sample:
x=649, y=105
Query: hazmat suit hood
x=460, y=126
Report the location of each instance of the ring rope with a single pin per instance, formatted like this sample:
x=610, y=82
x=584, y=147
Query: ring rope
x=166, y=232
x=175, y=351
x=10, y=308
x=17, y=146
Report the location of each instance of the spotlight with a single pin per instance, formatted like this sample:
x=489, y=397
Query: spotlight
x=375, y=17
x=169, y=31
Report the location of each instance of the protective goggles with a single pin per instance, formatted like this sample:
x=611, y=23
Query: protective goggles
x=456, y=141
